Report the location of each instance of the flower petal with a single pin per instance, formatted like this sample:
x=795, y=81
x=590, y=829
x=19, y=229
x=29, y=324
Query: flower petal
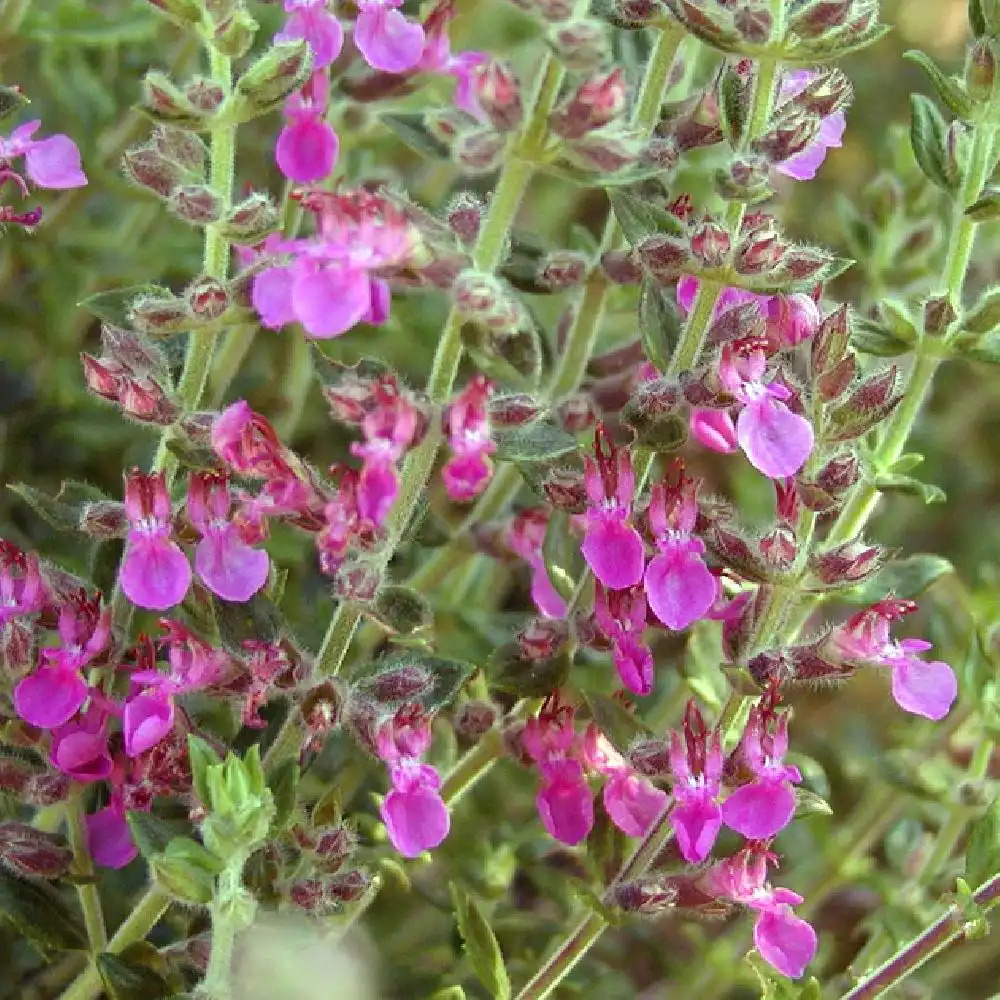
x=416, y=820
x=50, y=696
x=759, y=810
x=229, y=567
x=924, y=687
x=785, y=941
x=680, y=589
x=776, y=441
x=155, y=573
x=614, y=551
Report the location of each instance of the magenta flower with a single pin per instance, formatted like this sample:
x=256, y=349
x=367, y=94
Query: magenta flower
x=679, y=586
x=22, y=589
x=803, y=165
x=612, y=546
x=696, y=767
x=310, y=20
x=927, y=688
x=80, y=748
x=785, y=941
x=765, y=806
x=385, y=38
x=147, y=718
x=776, y=441
x=621, y=616
x=229, y=567
x=414, y=813
x=714, y=429
x=469, y=468
x=342, y=523
x=565, y=803
x=437, y=57
x=49, y=163
x=248, y=444
x=54, y=693
x=307, y=146
x=155, y=573
x=328, y=282
x=687, y=292
x=109, y=839
x=525, y=537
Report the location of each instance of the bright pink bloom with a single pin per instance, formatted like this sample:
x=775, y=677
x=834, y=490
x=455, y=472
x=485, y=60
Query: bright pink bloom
x=612, y=546
x=147, y=718
x=55, y=692
x=803, y=165
x=155, y=573
x=22, y=589
x=687, y=291
x=696, y=767
x=109, y=838
x=311, y=20
x=764, y=807
x=927, y=688
x=621, y=616
x=343, y=523
x=80, y=748
x=469, y=469
x=49, y=163
x=414, y=813
x=248, y=444
x=784, y=940
x=526, y=537
x=437, y=58
x=679, y=586
x=714, y=429
x=776, y=441
x=307, y=146
x=793, y=318
x=565, y=803
x=229, y=567
x=386, y=39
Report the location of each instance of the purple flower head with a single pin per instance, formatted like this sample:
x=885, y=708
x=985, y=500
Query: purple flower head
x=437, y=57
x=687, y=292
x=714, y=429
x=49, y=163
x=328, y=282
x=342, y=522
x=784, y=940
x=386, y=39
x=611, y=545
x=764, y=807
x=22, y=589
x=80, y=748
x=525, y=538
x=147, y=718
x=247, y=443
x=696, y=767
x=84, y=629
x=312, y=21
x=414, y=813
x=804, y=164
x=469, y=469
x=923, y=687
x=792, y=319
x=776, y=441
x=109, y=839
x=155, y=573
x=565, y=803
x=621, y=616
x=406, y=736
x=307, y=146
x=229, y=567
x=679, y=586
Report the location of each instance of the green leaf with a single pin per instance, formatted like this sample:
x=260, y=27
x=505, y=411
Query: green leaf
x=446, y=677
x=130, y=981
x=401, y=610
x=871, y=337
x=986, y=350
x=39, y=914
x=620, y=725
x=283, y=780
x=660, y=324
x=412, y=130
x=949, y=91
x=448, y=993
x=481, y=945
x=642, y=217
x=114, y=305
x=982, y=856
x=152, y=833
x=928, y=137
x=187, y=870
x=540, y=441
x=808, y=803
x=561, y=552
x=906, y=578
x=976, y=19
x=258, y=618
x=60, y=515
x=202, y=756
x=986, y=207
x=890, y=482
x=11, y=100
x=985, y=314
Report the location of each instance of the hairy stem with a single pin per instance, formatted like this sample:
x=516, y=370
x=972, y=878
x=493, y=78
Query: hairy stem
x=87, y=892
x=232, y=911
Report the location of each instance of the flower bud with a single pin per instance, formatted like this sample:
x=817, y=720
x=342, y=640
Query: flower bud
x=45, y=790
x=159, y=316
x=481, y=151
x=166, y=103
x=474, y=719
x=604, y=150
x=815, y=18
x=182, y=147
x=981, y=69
x=839, y=474
x=562, y=269
x=632, y=14
x=250, y=221
x=789, y=137
x=322, y=706
x=666, y=258
x=102, y=376
x=205, y=94
x=400, y=684
x=577, y=413
x=778, y=547
x=834, y=382
x=104, y=519
x=939, y=314
x=564, y=488
x=513, y=410
x=830, y=343
x=710, y=243
x=793, y=318
x=234, y=35
x=650, y=895
x=30, y=853
x=283, y=69
x=195, y=203
x=465, y=215
x=145, y=400
x=851, y=562
x=185, y=11
x=754, y=24
x=498, y=93
x=621, y=267
x=650, y=758
x=761, y=249
x=542, y=638
x=747, y=179
x=150, y=169
x=207, y=298
x=580, y=44
x=598, y=101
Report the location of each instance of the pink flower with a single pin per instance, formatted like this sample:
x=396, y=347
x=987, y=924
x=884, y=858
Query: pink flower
x=784, y=940
x=147, y=718
x=80, y=748
x=108, y=836
x=714, y=429
x=468, y=470
x=414, y=813
x=696, y=766
x=248, y=444
x=307, y=146
x=342, y=523
x=679, y=586
x=310, y=19
x=437, y=58
x=621, y=616
x=764, y=807
x=229, y=567
x=612, y=546
x=793, y=318
x=22, y=589
x=687, y=291
x=803, y=165
x=776, y=441
x=49, y=163
x=927, y=688
x=525, y=537
x=385, y=38
x=155, y=573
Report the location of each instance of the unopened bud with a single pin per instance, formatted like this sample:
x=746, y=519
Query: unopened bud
x=185, y=11
x=577, y=413
x=839, y=474
x=165, y=102
x=195, y=203
x=851, y=562
x=145, y=400
x=250, y=221
x=541, y=638
x=598, y=101
x=498, y=93
x=45, y=790
x=939, y=314
x=649, y=896
x=981, y=69
x=465, y=215
x=159, y=316
x=604, y=150
x=150, y=169
x=207, y=298
x=815, y=18
x=746, y=179
x=357, y=580
x=650, y=758
x=621, y=267
x=754, y=24
x=666, y=258
x=513, y=410
x=31, y=853
x=761, y=250
x=480, y=151
x=283, y=69
x=234, y=36
x=400, y=684
x=580, y=44
x=834, y=382
x=710, y=243
x=830, y=341
x=474, y=719
x=205, y=94
x=564, y=488
x=562, y=269
x=322, y=706
x=104, y=519
x=102, y=376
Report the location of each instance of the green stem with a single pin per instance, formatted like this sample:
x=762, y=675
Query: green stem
x=90, y=899
x=139, y=923
x=232, y=911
